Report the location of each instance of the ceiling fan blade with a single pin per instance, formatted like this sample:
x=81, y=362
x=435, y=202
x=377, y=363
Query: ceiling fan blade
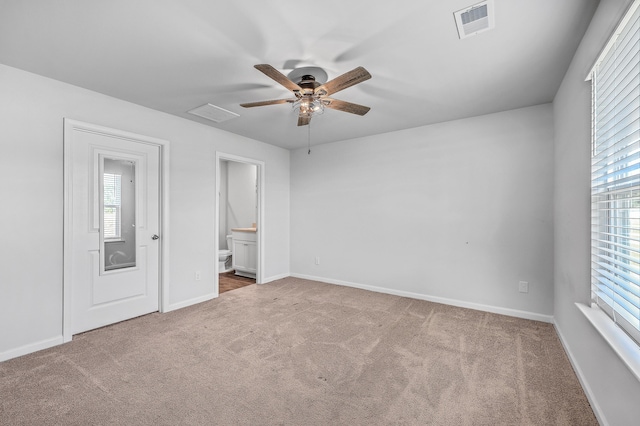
x=273, y=73
x=304, y=119
x=263, y=103
x=345, y=106
x=348, y=79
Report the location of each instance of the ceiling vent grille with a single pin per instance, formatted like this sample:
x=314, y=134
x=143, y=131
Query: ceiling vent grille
x=213, y=113
x=475, y=19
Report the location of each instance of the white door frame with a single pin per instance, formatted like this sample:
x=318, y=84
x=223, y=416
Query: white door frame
x=260, y=223
x=69, y=127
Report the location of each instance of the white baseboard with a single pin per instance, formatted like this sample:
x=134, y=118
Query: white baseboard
x=184, y=304
x=585, y=385
x=453, y=302
x=31, y=347
x=274, y=278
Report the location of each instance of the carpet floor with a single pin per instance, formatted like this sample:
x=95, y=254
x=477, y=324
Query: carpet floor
x=298, y=352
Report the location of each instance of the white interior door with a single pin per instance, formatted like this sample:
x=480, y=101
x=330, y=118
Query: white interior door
x=114, y=213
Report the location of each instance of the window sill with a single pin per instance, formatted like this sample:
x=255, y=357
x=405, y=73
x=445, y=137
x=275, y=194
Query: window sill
x=115, y=240
x=620, y=342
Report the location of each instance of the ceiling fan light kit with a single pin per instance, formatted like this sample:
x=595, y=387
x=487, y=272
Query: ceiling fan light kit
x=311, y=94
x=308, y=106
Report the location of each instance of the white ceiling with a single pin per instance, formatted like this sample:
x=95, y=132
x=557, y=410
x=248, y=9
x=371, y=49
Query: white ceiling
x=174, y=56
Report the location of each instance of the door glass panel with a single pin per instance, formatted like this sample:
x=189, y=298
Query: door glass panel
x=119, y=214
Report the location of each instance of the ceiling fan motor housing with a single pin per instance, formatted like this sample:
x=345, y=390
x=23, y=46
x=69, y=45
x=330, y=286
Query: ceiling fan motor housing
x=308, y=84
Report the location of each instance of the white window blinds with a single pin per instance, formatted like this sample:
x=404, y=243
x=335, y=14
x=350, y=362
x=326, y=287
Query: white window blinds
x=112, y=204
x=615, y=178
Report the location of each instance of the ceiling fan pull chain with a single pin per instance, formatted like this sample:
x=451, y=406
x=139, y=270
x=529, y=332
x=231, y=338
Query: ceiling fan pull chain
x=309, y=137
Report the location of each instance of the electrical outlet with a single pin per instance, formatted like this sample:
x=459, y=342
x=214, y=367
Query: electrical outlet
x=317, y=260
x=198, y=276
x=523, y=287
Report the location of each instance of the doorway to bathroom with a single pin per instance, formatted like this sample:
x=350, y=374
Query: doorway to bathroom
x=239, y=222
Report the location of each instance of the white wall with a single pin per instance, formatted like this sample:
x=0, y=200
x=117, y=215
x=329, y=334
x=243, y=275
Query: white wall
x=459, y=211
x=242, y=197
x=609, y=383
x=32, y=109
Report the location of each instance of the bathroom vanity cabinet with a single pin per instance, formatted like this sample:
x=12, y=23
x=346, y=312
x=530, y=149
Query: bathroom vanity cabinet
x=245, y=252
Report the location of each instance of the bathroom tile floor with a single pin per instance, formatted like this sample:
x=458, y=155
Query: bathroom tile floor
x=230, y=281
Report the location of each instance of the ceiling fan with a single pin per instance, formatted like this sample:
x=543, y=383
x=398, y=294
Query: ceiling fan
x=311, y=96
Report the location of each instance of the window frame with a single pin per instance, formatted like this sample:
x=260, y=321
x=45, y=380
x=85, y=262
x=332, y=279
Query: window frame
x=117, y=182
x=602, y=316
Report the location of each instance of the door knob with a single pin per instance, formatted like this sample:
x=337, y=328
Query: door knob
x=155, y=237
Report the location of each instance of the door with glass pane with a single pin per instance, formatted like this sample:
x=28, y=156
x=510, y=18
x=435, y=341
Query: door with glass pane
x=115, y=228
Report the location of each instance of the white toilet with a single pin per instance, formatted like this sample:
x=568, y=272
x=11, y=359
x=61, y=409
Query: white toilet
x=224, y=257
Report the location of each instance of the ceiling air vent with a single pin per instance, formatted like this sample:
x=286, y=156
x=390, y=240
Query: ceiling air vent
x=475, y=19
x=213, y=113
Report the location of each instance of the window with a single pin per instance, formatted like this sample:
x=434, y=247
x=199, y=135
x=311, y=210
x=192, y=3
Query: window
x=112, y=205
x=615, y=177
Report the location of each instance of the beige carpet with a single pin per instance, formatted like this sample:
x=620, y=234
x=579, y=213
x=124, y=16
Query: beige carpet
x=297, y=352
